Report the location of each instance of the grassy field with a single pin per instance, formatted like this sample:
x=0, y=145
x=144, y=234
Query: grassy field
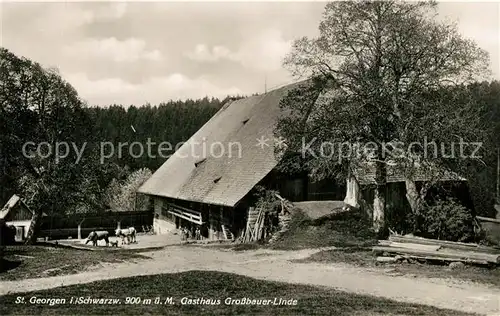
x=22, y=262
x=363, y=257
x=210, y=286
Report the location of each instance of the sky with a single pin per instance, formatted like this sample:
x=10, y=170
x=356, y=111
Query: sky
x=134, y=53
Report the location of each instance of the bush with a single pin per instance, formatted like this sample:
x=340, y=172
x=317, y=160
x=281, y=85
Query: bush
x=400, y=221
x=341, y=229
x=446, y=220
x=266, y=199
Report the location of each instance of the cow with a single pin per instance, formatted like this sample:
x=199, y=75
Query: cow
x=128, y=232
x=94, y=236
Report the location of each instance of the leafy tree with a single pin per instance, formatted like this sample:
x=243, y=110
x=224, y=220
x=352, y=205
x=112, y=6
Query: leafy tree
x=385, y=65
x=481, y=174
x=123, y=196
x=38, y=106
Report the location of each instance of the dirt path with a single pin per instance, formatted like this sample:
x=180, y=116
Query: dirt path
x=275, y=265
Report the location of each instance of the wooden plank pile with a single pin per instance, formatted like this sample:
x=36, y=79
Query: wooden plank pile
x=255, y=225
x=286, y=205
x=409, y=247
x=284, y=219
x=490, y=227
x=255, y=229
x=228, y=235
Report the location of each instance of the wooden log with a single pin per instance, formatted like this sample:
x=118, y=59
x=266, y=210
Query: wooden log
x=263, y=228
x=386, y=259
x=279, y=197
x=409, y=245
x=445, y=259
x=245, y=233
x=257, y=226
x=488, y=219
x=261, y=225
x=249, y=234
x=252, y=215
x=444, y=253
x=444, y=243
x=426, y=241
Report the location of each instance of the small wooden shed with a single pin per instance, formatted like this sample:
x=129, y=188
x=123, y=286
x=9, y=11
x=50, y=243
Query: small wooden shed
x=16, y=213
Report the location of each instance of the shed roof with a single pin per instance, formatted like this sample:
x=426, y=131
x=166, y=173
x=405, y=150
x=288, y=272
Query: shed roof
x=365, y=174
x=11, y=203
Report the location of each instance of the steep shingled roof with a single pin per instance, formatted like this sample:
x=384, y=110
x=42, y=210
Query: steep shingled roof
x=14, y=199
x=11, y=203
x=193, y=174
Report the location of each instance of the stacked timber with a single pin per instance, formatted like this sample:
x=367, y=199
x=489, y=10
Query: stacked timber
x=253, y=213
x=490, y=227
x=256, y=230
x=283, y=224
x=283, y=219
x=255, y=225
x=226, y=232
x=410, y=247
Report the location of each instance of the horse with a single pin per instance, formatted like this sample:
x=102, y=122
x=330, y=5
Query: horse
x=94, y=236
x=128, y=232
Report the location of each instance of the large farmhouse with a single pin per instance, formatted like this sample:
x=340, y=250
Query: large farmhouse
x=208, y=181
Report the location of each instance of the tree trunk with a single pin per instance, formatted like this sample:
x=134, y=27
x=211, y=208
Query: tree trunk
x=35, y=221
x=379, y=209
x=412, y=195
x=80, y=228
x=379, y=198
x=352, y=197
x=415, y=199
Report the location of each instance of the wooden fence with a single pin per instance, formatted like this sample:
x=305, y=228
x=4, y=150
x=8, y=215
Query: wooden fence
x=57, y=227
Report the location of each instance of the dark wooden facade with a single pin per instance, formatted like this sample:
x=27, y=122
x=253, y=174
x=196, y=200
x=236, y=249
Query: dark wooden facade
x=301, y=187
x=172, y=214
